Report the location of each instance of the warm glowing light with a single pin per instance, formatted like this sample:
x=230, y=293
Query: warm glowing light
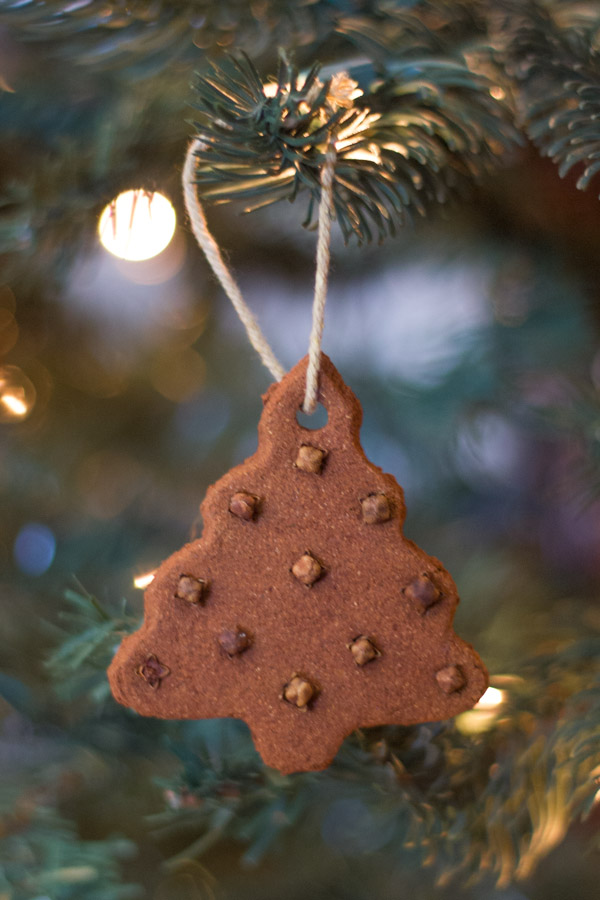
x=476, y=721
x=371, y=154
x=14, y=405
x=484, y=714
x=498, y=93
x=491, y=699
x=137, y=225
x=342, y=93
x=17, y=394
x=5, y=86
x=142, y=581
x=352, y=132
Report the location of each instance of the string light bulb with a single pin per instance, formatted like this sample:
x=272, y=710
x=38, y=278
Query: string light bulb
x=484, y=714
x=137, y=225
x=491, y=699
x=14, y=405
x=142, y=581
x=17, y=394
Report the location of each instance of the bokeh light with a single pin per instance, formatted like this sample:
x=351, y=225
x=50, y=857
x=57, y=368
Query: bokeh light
x=491, y=699
x=34, y=549
x=137, y=225
x=178, y=373
x=484, y=714
x=108, y=481
x=17, y=394
x=142, y=581
x=436, y=333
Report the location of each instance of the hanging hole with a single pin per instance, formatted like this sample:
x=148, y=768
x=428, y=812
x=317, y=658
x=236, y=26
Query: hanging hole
x=313, y=421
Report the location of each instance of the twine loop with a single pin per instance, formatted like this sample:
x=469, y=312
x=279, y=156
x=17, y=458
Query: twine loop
x=225, y=277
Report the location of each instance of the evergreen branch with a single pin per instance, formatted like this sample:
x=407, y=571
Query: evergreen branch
x=451, y=793
x=557, y=65
x=470, y=798
x=41, y=854
x=63, y=159
x=404, y=141
x=143, y=38
x=78, y=664
x=428, y=27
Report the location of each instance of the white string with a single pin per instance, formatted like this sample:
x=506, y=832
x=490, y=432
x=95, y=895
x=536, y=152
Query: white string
x=321, y=274
x=217, y=264
x=229, y=284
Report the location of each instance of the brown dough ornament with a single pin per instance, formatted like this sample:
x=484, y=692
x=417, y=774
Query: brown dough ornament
x=302, y=609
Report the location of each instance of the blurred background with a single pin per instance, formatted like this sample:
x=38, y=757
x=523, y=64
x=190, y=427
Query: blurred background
x=127, y=387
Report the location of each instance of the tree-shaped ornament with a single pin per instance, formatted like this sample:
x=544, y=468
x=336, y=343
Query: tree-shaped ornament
x=302, y=609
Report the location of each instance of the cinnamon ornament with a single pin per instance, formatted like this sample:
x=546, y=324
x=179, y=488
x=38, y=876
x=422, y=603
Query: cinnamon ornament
x=302, y=609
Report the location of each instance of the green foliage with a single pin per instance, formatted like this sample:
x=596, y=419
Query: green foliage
x=555, y=56
x=93, y=100
x=225, y=792
x=464, y=803
x=476, y=796
x=424, y=130
x=41, y=855
x=143, y=38
x=64, y=156
x=421, y=128
x=90, y=637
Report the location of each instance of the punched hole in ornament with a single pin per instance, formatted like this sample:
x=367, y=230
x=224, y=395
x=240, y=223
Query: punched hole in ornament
x=313, y=421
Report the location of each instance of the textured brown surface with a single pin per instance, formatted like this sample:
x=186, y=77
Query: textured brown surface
x=375, y=585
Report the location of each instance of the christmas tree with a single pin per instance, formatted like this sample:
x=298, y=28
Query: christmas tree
x=462, y=311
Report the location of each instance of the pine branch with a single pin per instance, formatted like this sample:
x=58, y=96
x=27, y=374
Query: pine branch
x=557, y=65
x=41, y=854
x=489, y=792
x=427, y=27
x=79, y=663
x=143, y=38
x=469, y=799
x=63, y=158
x=424, y=128
x=404, y=141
